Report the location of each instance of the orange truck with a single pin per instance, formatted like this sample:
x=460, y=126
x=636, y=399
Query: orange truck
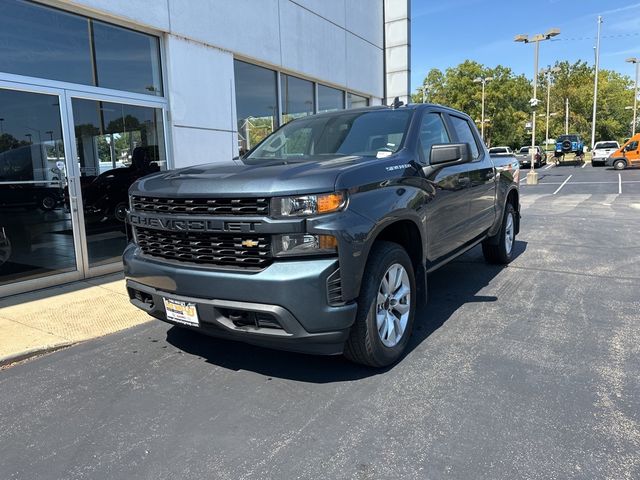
x=626, y=156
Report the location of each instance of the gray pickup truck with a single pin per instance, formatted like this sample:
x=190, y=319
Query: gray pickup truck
x=320, y=239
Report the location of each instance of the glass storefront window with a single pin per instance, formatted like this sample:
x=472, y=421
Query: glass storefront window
x=330, y=99
x=356, y=101
x=43, y=42
x=116, y=144
x=40, y=41
x=297, y=97
x=256, y=103
x=126, y=60
x=36, y=233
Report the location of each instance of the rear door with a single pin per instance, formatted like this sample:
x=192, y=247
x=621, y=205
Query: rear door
x=482, y=187
x=448, y=211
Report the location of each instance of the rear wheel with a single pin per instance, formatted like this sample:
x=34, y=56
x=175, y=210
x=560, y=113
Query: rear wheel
x=386, y=308
x=619, y=164
x=500, y=250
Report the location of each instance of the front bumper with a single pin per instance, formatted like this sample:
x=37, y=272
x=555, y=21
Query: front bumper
x=291, y=293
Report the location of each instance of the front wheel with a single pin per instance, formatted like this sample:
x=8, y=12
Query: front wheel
x=500, y=250
x=619, y=164
x=47, y=203
x=386, y=308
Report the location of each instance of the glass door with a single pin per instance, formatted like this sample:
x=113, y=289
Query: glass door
x=115, y=145
x=38, y=238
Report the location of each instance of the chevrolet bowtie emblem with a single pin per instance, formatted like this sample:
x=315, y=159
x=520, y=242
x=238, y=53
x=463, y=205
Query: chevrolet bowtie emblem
x=249, y=243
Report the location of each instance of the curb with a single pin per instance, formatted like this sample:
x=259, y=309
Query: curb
x=25, y=355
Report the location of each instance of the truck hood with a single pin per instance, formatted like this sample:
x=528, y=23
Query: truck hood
x=237, y=178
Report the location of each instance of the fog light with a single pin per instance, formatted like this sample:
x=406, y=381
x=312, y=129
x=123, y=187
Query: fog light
x=304, y=244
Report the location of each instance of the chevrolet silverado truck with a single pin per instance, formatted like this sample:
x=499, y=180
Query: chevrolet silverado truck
x=320, y=238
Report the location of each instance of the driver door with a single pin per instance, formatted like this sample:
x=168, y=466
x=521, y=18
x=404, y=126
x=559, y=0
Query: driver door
x=448, y=211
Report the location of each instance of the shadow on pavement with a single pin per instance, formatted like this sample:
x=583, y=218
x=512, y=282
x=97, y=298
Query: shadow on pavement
x=452, y=286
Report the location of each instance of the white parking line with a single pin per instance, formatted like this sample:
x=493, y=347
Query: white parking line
x=584, y=165
x=551, y=165
x=619, y=183
x=563, y=184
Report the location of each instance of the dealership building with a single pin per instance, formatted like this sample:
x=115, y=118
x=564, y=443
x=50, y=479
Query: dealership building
x=97, y=93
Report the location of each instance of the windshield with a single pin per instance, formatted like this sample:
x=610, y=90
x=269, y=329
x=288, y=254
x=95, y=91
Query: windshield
x=369, y=133
x=497, y=150
x=607, y=145
x=571, y=138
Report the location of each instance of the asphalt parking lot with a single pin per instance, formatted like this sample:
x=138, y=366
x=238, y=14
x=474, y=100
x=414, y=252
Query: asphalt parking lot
x=530, y=371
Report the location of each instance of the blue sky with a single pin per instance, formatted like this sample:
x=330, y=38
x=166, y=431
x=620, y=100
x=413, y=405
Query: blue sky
x=446, y=32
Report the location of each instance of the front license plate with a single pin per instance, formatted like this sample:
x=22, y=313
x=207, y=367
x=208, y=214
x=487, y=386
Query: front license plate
x=181, y=312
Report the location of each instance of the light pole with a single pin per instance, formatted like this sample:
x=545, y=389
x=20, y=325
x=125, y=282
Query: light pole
x=629, y=107
x=483, y=81
x=424, y=93
x=532, y=176
x=636, y=61
x=548, y=73
x=566, y=116
x=595, y=86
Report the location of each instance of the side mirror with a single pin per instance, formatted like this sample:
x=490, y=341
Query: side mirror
x=450, y=154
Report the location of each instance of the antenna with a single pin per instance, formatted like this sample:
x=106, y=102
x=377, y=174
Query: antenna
x=397, y=103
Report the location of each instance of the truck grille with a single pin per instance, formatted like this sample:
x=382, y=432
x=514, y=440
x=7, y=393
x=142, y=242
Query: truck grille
x=251, y=252
x=202, y=206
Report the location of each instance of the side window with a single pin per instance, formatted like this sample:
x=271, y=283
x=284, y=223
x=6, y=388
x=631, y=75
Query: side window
x=432, y=132
x=465, y=135
x=632, y=146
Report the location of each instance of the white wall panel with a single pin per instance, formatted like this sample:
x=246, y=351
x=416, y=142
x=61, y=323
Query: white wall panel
x=195, y=146
x=364, y=18
x=364, y=66
x=200, y=85
x=311, y=45
x=151, y=13
x=332, y=10
x=248, y=27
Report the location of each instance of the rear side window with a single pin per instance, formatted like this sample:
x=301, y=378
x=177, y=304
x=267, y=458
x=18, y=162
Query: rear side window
x=465, y=135
x=432, y=132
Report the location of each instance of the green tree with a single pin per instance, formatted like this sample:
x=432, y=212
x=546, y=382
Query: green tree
x=507, y=101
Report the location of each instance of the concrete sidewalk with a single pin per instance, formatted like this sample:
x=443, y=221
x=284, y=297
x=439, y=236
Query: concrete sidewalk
x=49, y=319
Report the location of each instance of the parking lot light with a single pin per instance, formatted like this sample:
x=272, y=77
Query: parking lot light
x=548, y=73
x=483, y=81
x=636, y=61
x=532, y=176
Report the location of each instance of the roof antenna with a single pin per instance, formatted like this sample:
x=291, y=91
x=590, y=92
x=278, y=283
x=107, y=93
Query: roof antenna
x=397, y=103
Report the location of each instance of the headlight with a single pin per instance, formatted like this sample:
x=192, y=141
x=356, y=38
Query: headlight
x=303, y=244
x=307, y=205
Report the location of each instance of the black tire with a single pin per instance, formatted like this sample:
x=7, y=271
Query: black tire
x=619, y=164
x=364, y=344
x=47, y=203
x=495, y=250
x=120, y=211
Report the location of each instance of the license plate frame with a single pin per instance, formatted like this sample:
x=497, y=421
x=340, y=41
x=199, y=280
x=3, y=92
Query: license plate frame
x=182, y=312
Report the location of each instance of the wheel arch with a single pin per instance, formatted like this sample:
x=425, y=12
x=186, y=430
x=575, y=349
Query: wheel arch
x=407, y=233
